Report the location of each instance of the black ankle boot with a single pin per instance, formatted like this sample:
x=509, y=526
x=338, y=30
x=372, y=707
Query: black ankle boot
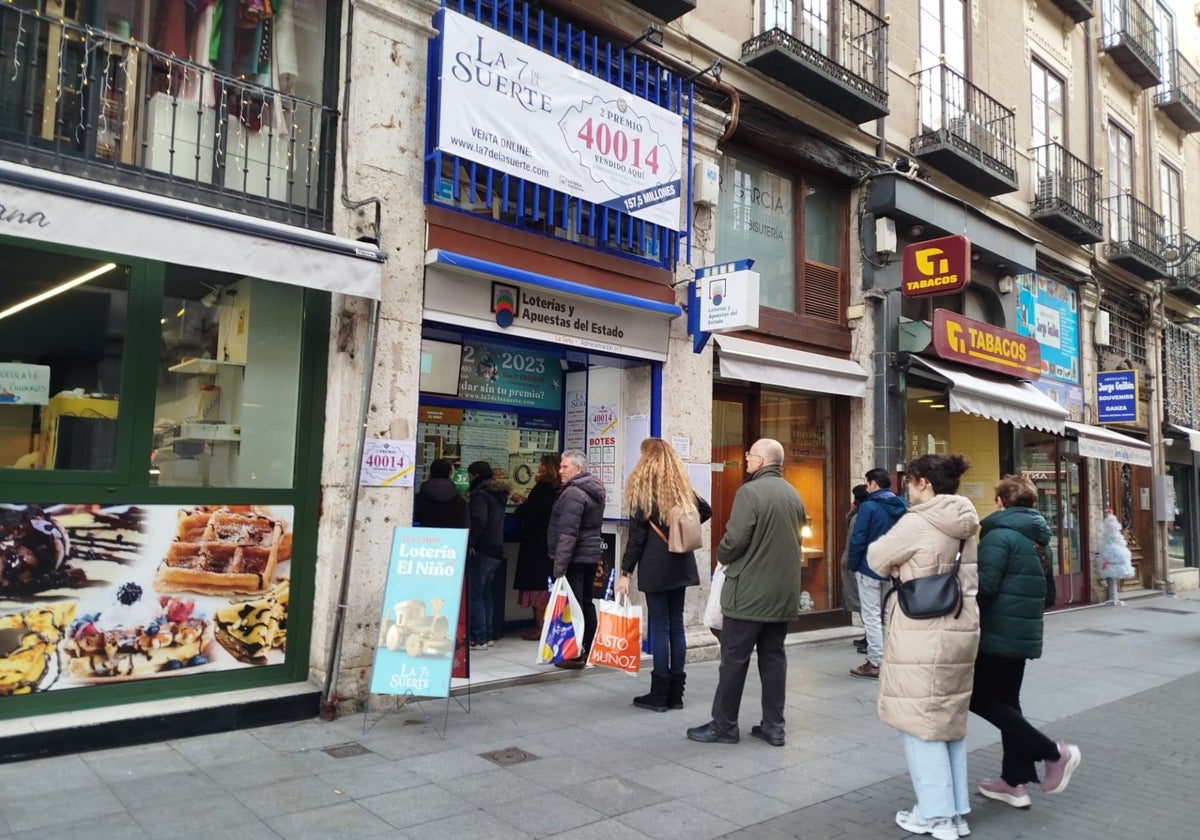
x=656, y=700
x=675, y=690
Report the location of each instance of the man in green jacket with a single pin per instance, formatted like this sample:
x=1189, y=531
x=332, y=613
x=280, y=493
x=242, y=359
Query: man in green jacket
x=761, y=555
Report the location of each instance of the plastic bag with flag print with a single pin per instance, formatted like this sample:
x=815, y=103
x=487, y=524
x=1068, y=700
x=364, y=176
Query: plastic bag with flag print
x=562, y=630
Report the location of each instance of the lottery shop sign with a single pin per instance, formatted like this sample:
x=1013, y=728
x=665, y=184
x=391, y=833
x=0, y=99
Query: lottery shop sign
x=984, y=345
x=520, y=111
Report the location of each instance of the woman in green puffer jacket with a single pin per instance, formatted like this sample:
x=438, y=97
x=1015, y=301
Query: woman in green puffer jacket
x=1015, y=587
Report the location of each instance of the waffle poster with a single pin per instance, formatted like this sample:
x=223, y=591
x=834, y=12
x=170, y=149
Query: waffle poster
x=512, y=107
x=96, y=595
x=421, y=602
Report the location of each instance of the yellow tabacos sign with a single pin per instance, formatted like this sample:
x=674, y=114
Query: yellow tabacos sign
x=984, y=345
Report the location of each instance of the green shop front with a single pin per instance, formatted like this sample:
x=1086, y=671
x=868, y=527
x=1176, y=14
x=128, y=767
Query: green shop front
x=162, y=383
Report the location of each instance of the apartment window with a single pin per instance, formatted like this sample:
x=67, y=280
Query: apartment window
x=1127, y=320
x=943, y=34
x=792, y=226
x=1164, y=43
x=1170, y=200
x=1120, y=182
x=1049, y=122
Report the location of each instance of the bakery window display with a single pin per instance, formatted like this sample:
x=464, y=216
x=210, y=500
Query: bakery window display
x=29, y=657
x=230, y=550
x=137, y=637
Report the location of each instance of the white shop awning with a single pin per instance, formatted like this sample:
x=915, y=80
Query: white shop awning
x=1192, y=435
x=1109, y=445
x=45, y=206
x=757, y=361
x=1005, y=400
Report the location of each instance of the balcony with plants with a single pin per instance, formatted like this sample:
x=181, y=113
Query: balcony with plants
x=1129, y=36
x=1135, y=237
x=965, y=133
x=1178, y=96
x=832, y=52
x=88, y=97
x=1066, y=195
x=1183, y=274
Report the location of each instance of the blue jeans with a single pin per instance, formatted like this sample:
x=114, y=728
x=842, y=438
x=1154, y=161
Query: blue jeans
x=481, y=572
x=668, y=642
x=939, y=776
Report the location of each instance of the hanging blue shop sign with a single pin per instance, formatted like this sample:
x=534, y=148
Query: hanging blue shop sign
x=1116, y=396
x=421, y=601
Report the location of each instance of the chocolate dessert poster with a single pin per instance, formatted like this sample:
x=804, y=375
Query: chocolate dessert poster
x=92, y=594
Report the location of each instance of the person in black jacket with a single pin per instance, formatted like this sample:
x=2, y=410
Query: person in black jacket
x=486, y=499
x=574, y=540
x=438, y=503
x=1016, y=584
x=533, y=560
x=657, y=484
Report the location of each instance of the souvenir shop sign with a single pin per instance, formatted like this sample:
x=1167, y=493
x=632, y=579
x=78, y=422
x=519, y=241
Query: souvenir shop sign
x=421, y=603
x=520, y=111
x=1116, y=396
x=1048, y=312
x=936, y=266
x=517, y=377
x=984, y=345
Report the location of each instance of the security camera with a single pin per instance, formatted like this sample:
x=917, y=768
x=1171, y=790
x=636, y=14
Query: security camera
x=907, y=167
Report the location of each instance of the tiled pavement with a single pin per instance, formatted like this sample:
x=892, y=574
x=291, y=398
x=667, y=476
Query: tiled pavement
x=1123, y=682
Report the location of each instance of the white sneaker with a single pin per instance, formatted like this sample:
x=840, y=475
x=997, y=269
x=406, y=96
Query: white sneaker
x=960, y=825
x=942, y=828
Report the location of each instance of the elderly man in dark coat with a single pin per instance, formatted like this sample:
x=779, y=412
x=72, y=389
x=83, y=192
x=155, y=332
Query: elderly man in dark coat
x=574, y=539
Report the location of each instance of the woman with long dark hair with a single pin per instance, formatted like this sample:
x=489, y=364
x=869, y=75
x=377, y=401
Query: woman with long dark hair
x=532, y=578
x=658, y=484
x=925, y=678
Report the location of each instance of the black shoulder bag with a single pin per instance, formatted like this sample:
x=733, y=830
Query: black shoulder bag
x=930, y=596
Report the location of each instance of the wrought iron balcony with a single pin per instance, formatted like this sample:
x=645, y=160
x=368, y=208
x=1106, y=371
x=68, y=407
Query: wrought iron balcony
x=95, y=105
x=965, y=133
x=665, y=9
x=1066, y=195
x=1129, y=36
x=834, y=53
x=1077, y=10
x=1183, y=277
x=1135, y=237
x=1179, y=95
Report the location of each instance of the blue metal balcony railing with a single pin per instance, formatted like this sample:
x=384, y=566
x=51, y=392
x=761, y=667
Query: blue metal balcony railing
x=99, y=106
x=464, y=186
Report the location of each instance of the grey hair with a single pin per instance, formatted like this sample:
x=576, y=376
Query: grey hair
x=576, y=457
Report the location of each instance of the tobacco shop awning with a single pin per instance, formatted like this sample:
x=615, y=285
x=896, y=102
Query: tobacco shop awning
x=1109, y=445
x=42, y=205
x=756, y=361
x=1003, y=400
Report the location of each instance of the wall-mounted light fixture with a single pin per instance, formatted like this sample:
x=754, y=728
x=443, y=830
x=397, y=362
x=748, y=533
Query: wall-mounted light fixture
x=1004, y=284
x=652, y=35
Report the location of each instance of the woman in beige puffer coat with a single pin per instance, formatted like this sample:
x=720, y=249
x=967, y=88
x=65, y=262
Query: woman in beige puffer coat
x=928, y=664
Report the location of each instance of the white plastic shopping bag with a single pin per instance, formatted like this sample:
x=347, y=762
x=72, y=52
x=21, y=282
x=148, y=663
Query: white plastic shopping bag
x=562, y=630
x=713, y=616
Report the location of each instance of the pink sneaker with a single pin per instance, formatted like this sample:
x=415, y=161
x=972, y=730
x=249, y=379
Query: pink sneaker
x=1058, y=773
x=1002, y=791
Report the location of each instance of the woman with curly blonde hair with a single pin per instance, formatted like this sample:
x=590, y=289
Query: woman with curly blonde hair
x=658, y=484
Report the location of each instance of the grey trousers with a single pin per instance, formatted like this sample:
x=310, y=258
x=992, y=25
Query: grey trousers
x=738, y=640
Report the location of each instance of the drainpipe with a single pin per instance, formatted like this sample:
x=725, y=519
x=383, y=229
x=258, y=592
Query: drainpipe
x=881, y=123
x=598, y=24
x=328, y=703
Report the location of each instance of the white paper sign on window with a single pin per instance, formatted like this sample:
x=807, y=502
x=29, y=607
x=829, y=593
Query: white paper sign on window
x=24, y=384
x=518, y=110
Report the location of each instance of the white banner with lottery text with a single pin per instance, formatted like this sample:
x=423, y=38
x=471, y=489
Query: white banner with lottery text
x=518, y=110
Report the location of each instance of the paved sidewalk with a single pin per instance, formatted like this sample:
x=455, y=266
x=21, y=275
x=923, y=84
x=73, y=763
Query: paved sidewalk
x=1123, y=682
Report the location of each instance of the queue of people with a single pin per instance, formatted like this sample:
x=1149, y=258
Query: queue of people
x=932, y=671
